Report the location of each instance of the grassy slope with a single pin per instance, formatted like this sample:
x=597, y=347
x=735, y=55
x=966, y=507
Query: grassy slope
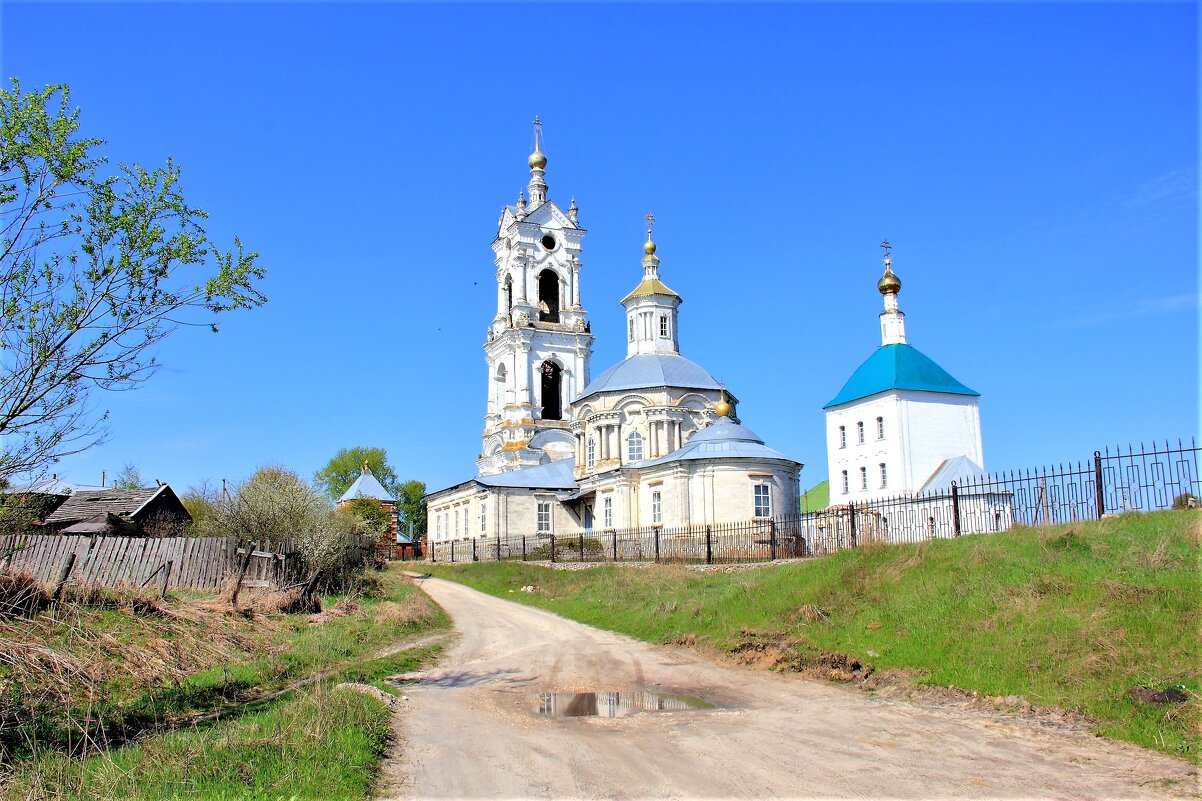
x=310, y=743
x=1069, y=616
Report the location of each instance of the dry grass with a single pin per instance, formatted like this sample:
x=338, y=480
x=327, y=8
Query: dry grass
x=21, y=595
x=416, y=609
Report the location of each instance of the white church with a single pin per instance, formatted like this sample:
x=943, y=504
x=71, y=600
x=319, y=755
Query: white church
x=655, y=440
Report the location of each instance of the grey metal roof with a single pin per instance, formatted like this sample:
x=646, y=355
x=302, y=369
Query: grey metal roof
x=552, y=475
x=366, y=486
x=87, y=504
x=955, y=469
x=651, y=370
x=723, y=440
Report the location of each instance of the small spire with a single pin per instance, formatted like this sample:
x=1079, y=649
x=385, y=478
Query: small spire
x=538, y=164
x=572, y=210
x=889, y=284
x=366, y=469
x=650, y=261
x=722, y=408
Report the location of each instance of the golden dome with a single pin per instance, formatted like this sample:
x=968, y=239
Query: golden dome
x=649, y=247
x=722, y=408
x=889, y=284
x=537, y=160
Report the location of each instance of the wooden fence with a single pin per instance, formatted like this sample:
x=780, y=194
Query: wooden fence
x=196, y=563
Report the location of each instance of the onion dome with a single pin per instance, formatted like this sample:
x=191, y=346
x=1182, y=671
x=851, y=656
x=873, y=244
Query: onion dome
x=722, y=408
x=889, y=284
x=537, y=160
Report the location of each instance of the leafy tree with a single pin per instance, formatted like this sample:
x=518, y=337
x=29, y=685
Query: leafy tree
x=129, y=477
x=97, y=266
x=411, y=507
x=276, y=504
x=342, y=470
x=202, y=501
x=372, y=514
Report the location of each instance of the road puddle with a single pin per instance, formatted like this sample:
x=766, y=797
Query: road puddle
x=615, y=704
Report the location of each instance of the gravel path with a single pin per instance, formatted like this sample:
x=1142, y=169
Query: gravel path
x=471, y=729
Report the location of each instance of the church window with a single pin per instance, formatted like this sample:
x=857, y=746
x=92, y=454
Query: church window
x=663, y=325
x=844, y=482
x=884, y=483
x=863, y=478
x=630, y=328
x=657, y=513
x=548, y=242
x=552, y=404
x=880, y=428
x=483, y=517
x=607, y=512
x=548, y=296
x=634, y=447
x=842, y=436
x=544, y=517
x=860, y=431
x=762, y=497
x=591, y=456
x=502, y=373
x=437, y=526
x=456, y=522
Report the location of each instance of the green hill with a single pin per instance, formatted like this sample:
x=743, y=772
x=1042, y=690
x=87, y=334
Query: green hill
x=1072, y=617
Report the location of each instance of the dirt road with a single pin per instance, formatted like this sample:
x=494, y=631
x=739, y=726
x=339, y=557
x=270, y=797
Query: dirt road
x=472, y=729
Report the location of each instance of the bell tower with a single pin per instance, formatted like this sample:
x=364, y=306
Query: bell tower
x=539, y=343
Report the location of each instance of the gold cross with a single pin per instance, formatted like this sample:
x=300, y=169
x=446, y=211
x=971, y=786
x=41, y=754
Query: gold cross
x=538, y=129
x=650, y=218
x=887, y=248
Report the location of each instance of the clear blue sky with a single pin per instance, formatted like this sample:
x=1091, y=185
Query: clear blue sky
x=1034, y=165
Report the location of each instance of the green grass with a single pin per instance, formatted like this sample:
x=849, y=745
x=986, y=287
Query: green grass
x=307, y=743
x=1067, y=616
x=319, y=744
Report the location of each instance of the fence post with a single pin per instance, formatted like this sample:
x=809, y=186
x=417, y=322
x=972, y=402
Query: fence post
x=851, y=508
x=656, y=530
x=955, y=510
x=164, y=579
x=615, y=545
x=552, y=549
x=581, y=547
x=62, y=578
x=498, y=547
x=709, y=545
x=452, y=551
x=523, y=547
x=772, y=540
x=251, y=547
x=474, y=557
x=1097, y=481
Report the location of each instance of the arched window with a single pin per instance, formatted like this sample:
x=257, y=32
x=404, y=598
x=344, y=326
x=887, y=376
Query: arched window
x=860, y=431
x=630, y=328
x=548, y=297
x=634, y=447
x=880, y=428
x=884, y=483
x=552, y=380
x=502, y=373
x=591, y=456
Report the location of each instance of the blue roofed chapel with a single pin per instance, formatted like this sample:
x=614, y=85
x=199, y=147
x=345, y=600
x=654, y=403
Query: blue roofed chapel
x=901, y=424
x=653, y=440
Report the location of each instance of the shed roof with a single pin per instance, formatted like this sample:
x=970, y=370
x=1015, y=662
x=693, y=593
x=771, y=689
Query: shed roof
x=125, y=503
x=897, y=367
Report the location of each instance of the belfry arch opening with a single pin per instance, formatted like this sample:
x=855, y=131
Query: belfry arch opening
x=548, y=296
x=552, y=394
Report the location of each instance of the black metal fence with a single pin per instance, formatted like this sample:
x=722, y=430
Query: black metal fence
x=1109, y=483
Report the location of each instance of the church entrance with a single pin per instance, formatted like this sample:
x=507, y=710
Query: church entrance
x=548, y=297
x=552, y=381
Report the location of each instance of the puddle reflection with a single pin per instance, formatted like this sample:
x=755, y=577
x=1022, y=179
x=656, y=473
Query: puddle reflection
x=615, y=704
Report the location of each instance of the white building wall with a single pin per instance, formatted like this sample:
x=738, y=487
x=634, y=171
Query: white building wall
x=921, y=430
